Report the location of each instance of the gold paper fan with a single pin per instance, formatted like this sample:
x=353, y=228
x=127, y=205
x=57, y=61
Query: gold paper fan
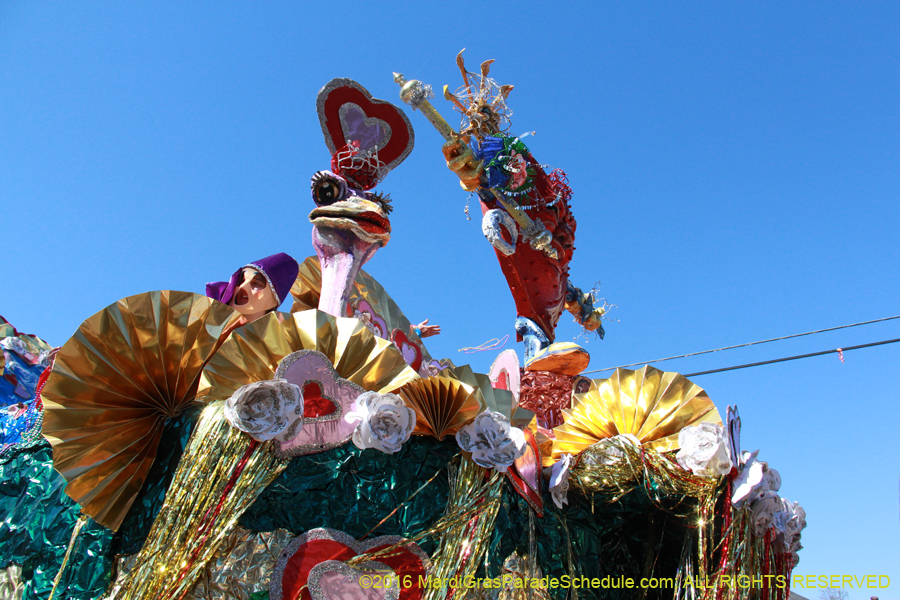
x=114, y=383
x=650, y=404
x=252, y=353
x=442, y=405
x=491, y=398
x=308, y=287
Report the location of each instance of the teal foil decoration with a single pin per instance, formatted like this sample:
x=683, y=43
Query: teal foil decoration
x=37, y=526
x=353, y=490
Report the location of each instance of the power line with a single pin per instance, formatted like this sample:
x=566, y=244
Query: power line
x=777, y=360
x=786, y=337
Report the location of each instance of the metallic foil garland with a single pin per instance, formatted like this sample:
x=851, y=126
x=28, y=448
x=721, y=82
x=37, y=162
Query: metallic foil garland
x=221, y=472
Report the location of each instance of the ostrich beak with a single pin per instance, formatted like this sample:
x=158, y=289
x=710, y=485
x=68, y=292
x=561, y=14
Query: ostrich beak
x=367, y=220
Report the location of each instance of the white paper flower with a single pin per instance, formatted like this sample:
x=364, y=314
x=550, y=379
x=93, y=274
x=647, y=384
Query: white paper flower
x=772, y=477
x=794, y=524
x=491, y=440
x=385, y=422
x=704, y=450
x=608, y=452
x=267, y=410
x=559, y=480
x=764, y=509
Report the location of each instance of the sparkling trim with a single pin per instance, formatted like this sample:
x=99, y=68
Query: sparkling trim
x=260, y=270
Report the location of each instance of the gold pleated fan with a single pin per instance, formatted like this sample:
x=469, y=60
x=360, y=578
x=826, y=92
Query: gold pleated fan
x=308, y=287
x=491, y=398
x=650, y=404
x=443, y=405
x=114, y=383
x=252, y=353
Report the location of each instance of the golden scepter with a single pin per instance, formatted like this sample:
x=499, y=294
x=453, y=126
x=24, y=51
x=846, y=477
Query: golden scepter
x=416, y=94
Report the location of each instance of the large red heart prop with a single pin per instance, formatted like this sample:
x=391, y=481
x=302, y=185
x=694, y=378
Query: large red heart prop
x=313, y=567
x=333, y=102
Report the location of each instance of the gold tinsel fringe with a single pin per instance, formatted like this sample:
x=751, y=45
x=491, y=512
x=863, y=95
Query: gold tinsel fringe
x=198, y=512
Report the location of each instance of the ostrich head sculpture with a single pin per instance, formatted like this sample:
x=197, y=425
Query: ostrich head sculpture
x=367, y=138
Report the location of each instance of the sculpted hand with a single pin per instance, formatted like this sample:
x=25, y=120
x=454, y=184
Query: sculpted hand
x=461, y=160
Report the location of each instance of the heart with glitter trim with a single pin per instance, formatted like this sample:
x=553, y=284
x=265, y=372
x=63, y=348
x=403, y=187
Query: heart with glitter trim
x=327, y=399
x=314, y=567
x=348, y=113
x=411, y=351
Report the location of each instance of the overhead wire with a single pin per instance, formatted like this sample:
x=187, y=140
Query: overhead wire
x=777, y=360
x=785, y=337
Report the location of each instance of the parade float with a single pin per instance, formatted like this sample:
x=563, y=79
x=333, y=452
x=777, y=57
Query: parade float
x=210, y=446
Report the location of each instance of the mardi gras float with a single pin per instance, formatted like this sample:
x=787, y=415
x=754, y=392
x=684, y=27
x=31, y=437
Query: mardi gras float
x=209, y=447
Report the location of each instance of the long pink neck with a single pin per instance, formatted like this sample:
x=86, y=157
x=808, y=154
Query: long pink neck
x=341, y=255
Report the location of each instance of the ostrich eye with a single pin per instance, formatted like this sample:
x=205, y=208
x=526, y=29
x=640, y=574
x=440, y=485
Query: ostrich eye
x=326, y=190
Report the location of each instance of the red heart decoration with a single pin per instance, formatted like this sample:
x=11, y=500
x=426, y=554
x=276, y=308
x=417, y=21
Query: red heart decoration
x=340, y=92
x=410, y=350
x=313, y=567
x=315, y=404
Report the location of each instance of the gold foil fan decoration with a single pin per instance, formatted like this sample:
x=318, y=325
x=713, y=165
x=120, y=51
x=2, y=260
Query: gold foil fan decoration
x=124, y=372
x=443, y=405
x=308, y=287
x=650, y=404
x=491, y=398
x=252, y=353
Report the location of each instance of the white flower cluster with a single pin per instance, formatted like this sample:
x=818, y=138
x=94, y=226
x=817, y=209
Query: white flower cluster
x=756, y=486
x=385, y=422
x=494, y=444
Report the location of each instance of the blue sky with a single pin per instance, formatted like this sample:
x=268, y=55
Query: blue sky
x=734, y=167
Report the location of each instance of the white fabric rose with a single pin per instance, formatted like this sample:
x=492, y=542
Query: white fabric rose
x=750, y=480
x=267, y=410
x=491, y=440
x=704, y=450
x=764, y=509
x=559, y=480
x=385, y=422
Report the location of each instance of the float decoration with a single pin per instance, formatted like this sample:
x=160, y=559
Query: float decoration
x=124, y=372
x=650, y=404
x=442, y=405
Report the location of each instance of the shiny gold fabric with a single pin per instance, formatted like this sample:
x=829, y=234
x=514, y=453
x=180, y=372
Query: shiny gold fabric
x=648, y=403
x=114, y=383
x=252, y=353
x=308, y=287
x=220, y=474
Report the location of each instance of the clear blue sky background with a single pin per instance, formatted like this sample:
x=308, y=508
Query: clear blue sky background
x=735, y=169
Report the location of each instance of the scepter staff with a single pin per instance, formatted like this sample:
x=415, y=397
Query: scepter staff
x=416, y=94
